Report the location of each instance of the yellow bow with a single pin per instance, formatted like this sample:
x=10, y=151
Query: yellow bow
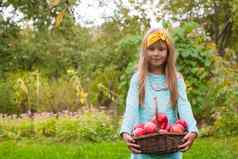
x=152, y=38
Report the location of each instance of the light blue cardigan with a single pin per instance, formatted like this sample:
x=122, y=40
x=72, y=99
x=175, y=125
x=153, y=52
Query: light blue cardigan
x=135, y=114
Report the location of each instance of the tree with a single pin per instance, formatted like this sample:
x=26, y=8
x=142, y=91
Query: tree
x=219, y=18
x=40, y=12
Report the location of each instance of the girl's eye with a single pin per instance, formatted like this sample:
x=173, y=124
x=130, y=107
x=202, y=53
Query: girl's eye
x=161, y=49
x=151, y=48
x=157, y=48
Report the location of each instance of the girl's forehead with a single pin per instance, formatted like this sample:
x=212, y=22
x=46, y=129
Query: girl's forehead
x=159, y=43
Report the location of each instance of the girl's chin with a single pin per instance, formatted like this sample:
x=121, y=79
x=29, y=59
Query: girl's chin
x=156, y=64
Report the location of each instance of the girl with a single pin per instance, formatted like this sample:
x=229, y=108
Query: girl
x=156, y=77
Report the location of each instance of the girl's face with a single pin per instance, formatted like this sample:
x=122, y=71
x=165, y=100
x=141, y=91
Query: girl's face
x=157, y=54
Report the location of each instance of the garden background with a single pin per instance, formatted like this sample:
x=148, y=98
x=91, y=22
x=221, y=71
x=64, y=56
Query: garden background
x=64, y=77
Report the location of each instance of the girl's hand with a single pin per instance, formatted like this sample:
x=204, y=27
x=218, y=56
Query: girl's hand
x=187, y=141
x=132, y=146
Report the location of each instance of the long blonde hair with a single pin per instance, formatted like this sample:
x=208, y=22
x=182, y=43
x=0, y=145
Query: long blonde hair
x=169, y=68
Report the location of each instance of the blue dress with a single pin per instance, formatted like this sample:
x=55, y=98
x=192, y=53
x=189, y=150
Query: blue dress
x=135, y=114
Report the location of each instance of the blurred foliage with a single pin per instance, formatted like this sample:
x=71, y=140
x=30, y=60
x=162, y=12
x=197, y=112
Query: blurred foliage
x=219, y=18
x=222, y=98
x=65, y=126
x=42, y=12
x=7, y=98
x=35, y=92
x=194, y=60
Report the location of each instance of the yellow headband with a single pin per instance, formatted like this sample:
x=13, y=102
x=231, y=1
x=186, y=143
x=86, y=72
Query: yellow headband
x=158, y=35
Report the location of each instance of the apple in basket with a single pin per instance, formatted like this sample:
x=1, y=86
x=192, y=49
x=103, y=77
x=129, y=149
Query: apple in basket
x=161, y=120
x=147, y=128
x=139, y=126
x=150, y=127
x=162, y=131
x=178, y=128
x=139, y=132
x=163, y=125
x=183, y=123
x=165, y=129
x=168, y=128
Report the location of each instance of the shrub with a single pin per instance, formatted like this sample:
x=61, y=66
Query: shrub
x=7, y=98
x=96, y=127
x=194, y=61
x=33, y=91
x=84, y=125
x=222, y=97
x=45, y=124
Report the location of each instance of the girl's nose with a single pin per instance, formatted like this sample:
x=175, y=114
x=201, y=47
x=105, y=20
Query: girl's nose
x=156, y=51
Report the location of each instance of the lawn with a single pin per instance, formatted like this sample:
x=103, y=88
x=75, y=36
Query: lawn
x=203, y=148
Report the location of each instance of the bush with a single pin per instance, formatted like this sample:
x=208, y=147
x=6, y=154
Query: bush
x=194, y=61
x=103, y=87
x=33, y=91
x=94, y=126
x=7, y=98
x=45, y=124
x=222, y=97
x=67, y=128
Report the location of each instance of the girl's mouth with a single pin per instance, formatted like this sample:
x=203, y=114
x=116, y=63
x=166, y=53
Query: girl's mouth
x=156, y=59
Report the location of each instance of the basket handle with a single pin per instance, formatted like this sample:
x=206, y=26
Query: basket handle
x=156, y=109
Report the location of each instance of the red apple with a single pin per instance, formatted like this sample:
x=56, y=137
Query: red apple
x=182, y=122
x=139, y=126
x=168, y=128
x=163, y=131
x=150, y=127
x=177, y=128
x=139, y=132
x=161, y=118
x=163, y=125
x=154, y=120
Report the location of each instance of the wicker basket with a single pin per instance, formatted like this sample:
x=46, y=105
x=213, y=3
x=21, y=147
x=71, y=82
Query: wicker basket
x=159, y=143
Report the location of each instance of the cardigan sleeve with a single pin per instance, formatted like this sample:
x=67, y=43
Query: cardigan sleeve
x=184, y=106
x=131, y=114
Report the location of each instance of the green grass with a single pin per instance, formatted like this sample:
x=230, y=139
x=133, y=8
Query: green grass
x=203, y=148
x=214, y=148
